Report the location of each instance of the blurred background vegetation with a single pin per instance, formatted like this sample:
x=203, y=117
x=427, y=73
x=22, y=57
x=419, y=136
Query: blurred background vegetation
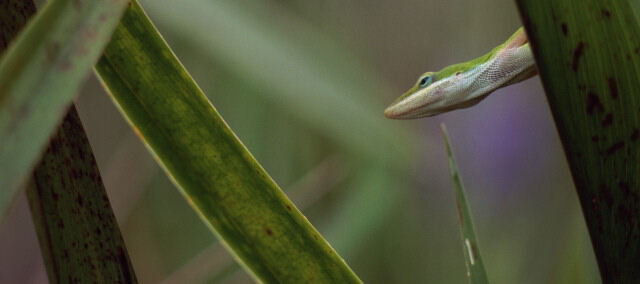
x=304, y=84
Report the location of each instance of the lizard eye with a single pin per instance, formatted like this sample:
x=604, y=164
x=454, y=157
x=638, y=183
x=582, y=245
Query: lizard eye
x=425, y=81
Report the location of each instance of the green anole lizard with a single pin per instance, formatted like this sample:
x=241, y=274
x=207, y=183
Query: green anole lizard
x=465, y=84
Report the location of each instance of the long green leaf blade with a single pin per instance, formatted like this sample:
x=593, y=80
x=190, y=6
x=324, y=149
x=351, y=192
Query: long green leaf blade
x=472, y=259
x=40, y=74
x=78, y=233
x=588, y=56
x=215, y=172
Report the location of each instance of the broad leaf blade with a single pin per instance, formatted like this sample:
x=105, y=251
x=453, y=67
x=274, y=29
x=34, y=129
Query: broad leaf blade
x=214, y=261
x=215, y=172
x=40, y=74
x=473, y=261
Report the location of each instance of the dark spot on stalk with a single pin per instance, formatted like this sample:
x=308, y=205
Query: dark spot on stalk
x=606, y=13
x=613, y=87
x=65, y=65
x=608, y=120
x=627, y=214
x=605, y=194
x=624, y=187
x=577, y=54
x=635, y=134
x=268, y=231
x=289, y=207
x=90, y=33
x=565, y=29
x=614, y=148
x=593, y=103
x=51, y=51
x=77, y=4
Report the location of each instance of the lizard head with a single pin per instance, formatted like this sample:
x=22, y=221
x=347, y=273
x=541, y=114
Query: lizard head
x=419, y=94
x=466, y=84
x=431, y=94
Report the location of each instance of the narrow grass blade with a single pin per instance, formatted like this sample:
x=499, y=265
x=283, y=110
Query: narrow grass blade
x=473, y=261
x=39, y=75
x=78, y=232
x=215, y=172
x=588, y=56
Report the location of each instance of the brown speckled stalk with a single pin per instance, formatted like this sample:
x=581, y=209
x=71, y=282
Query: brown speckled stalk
x=78, y=232
x=588, y=54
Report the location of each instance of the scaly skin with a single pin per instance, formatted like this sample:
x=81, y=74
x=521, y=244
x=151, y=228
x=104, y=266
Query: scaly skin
x=465, y=84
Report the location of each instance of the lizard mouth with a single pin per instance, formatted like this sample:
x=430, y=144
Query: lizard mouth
x=403, y=112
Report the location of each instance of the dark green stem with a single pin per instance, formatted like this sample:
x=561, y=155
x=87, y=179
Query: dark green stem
x=588, y=56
